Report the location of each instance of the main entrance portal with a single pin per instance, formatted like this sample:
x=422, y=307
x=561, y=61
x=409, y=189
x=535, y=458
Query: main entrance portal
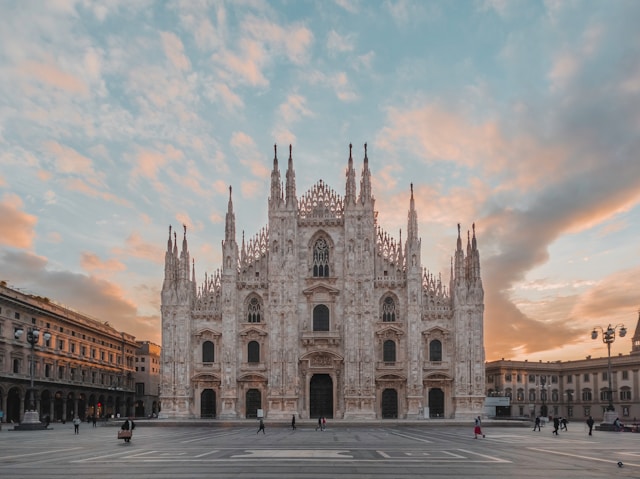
x=436, y=402
x=389, y=404
x=321, y=396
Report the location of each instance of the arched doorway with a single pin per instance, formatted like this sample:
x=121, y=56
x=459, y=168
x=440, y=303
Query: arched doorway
x=82, y=406
x=253, y=403
x=436, y=402
x=45, y=404
x=57, y=406
x=389, y=404
x=139, y=408
x=13, y=406
x=70, y=407
x=208, y=403
x=321, y=396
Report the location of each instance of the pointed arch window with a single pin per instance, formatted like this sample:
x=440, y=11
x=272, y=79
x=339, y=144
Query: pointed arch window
x=435, y=350
x=207, y=352
x=254, y=310
x=388, y=310
x=321, y=318
x=253, y=352
x=320, y=258
x=389, y=351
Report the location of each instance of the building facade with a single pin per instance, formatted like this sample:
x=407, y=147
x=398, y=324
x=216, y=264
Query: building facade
x=78, y=365
x=573, y=389
x=322, y=313
x=147, y=379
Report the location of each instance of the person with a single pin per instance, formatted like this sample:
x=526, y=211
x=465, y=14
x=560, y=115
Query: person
x=590, y=422
x=537, y=424
x=93, y=420
x=563, y=424
x=477, y=430
x=324, y=423
x=261, y=427
x=126, y=426
x=618, y=425
x=293, y=422
x=556, y=425
x=76, y=425
x=319, y=426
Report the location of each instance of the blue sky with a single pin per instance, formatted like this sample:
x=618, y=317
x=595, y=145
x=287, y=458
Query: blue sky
x=120, y=118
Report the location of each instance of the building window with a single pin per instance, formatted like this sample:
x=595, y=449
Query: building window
x=142, y=369
x=61, y=344
x=72, y=373
x=47, y=370
x=253, y=352
x=207, y=352
x=16, y=315
x=507, y=377
x=554, y=379
x=605, y=376
x=532, y=378
x=490, y=378
x=253, y=310
x=625, y=375
x=520, y=395
x=625, y=410
x=72, y=346
x=554, y=395
x=532, y=395
x=17, y=366
x=586, y=377
x=435, y=350
x=388, y=310
x=518, y=378
x=321, y=318
x=389, y=351
x=320, y=258
x=570, y=379
x=587, y=395
x=625, y=394
x=139, y=389
x=60, y=372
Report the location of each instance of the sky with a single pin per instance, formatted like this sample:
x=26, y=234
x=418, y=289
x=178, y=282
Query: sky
x=119, y=118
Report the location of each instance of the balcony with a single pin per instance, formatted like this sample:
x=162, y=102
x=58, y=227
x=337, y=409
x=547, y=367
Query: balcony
x=316, y=338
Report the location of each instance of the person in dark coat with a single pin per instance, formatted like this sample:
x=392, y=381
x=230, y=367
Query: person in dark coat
x=536, y=425
x=556, y=425
x=293, y=422
x=261, y=427
x=590, y=424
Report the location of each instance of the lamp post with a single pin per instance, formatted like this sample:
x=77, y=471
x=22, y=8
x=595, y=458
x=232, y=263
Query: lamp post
x=608, y=337
x=33, y=334
x=543, y=395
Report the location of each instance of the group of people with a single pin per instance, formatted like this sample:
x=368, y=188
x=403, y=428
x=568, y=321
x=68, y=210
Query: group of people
x=559, y=424
x=322, y=423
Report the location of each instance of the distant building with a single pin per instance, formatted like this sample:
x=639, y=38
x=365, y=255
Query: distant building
x=574, y=389
x=323, y=313
x=85, y=366
x=147, y=379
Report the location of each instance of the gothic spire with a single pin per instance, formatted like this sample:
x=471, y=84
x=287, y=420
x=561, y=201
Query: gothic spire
x=365, y=182
x=412, y=226
x=276, y=183
x=290, y=199
x=350, y=195
x=230, y=221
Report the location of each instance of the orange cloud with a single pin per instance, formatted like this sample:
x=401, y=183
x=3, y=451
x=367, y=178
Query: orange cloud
x=136, y=247
x=50, y=74
x=174, y=50
x=90, y=262
x=77, y=184
x=69, y=160
x=17, y=228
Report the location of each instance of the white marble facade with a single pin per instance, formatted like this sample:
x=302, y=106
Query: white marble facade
x=322, y=313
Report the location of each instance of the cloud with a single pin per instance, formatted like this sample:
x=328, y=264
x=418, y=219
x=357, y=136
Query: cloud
x=174, y=50
x=248, y=154
x=337, y=43
x=136, y=247
x=49, y=74
x=17, y=228
x=92, y=263
x=97, y=298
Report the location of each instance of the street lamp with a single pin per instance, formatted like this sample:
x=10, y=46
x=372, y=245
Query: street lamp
x=33, y=335
x=608, y=337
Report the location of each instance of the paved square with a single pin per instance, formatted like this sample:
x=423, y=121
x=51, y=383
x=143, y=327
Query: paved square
x=405, y=451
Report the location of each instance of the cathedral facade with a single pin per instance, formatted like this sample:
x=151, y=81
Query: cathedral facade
x=322, y=313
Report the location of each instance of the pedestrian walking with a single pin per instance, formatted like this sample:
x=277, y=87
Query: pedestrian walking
x=537, y=424
x=319, y=426
x=477, y=429
x=293, y=422
x=324, y=423
x=563, y=424
x=261, y=427
x=590, y=424
x=93, y=420
x=76, y=425
x=556, y=425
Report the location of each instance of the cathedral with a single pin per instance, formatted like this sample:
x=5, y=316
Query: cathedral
x=322, y=313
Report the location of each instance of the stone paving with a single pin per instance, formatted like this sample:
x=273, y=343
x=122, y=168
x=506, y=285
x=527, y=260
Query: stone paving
x=345, y=450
